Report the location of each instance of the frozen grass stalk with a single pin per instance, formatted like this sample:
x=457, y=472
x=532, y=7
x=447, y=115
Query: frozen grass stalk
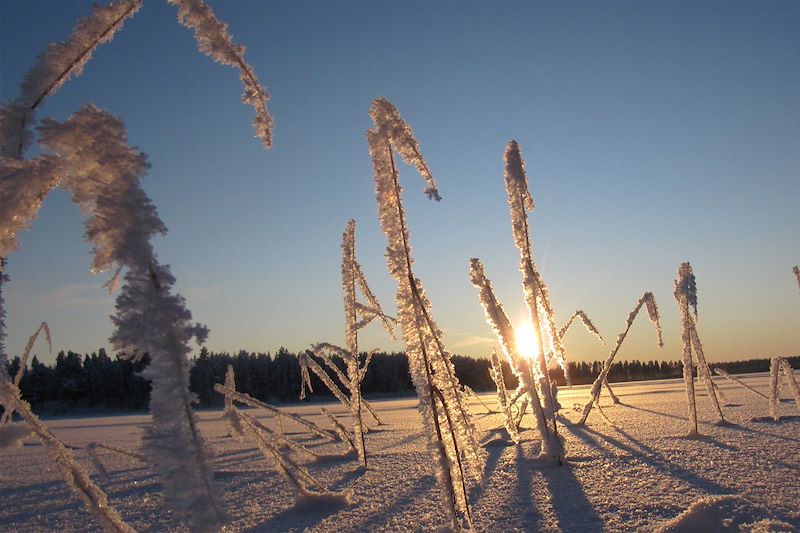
x=94, y=500
x=523, y=367
x=214, y=40
x=686, y=297
x=647, y=300
x=357, y=316
x=444, y=413
x=24, y=362
x=102, y=173
x=246, y=399
x=778, y=365
x=724, y=374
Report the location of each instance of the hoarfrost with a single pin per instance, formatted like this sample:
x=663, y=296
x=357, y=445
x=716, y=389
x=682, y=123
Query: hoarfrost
x=214, y=40
x=450, y=428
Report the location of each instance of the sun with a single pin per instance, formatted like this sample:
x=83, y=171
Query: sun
x=526, y=340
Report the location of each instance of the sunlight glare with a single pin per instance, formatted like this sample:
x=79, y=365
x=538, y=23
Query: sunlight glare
x=526, y=340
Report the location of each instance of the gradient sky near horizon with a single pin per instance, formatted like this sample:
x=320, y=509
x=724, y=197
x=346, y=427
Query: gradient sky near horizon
x=654, y=133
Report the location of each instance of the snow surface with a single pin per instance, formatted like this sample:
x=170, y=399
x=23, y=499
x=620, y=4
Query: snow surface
x=637, y=473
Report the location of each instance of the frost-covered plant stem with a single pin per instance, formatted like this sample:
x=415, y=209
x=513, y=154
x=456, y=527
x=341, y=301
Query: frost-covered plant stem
x=688, y=377
x=294, y=473
x=4, y=377
x=686, y=295
x=537, y=298
x=252, y=402
x=724, y=374
x=590, y=327
x=796, y=270
x=349, y=273
x=788, y=374
x=214, y=40
x=496, y=373
x=441, y=403
x=59, y=62
x=652, y=311
x=774, y=395
x=703, y=370
x=80, y=484
x=24, y=363
x=522, y=367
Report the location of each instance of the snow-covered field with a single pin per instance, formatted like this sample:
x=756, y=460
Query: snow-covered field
x=632, y=472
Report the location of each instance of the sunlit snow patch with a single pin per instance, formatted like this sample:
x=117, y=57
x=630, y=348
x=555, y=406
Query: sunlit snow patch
x=723, y=514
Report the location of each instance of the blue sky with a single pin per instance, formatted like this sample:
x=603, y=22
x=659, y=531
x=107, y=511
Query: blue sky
x=654, y=133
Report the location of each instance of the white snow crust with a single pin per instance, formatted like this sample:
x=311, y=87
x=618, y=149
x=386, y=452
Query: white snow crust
x=636, y=472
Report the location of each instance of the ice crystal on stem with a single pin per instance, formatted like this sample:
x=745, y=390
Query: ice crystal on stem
x=443, y=409
x=647, y=300
x=686, y=296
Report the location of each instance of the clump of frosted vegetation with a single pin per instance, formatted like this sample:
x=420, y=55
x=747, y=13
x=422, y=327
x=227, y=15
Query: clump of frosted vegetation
x=444, y=412
x=357, y=316
x=523, y=367
x=249, y=430
x=686, y=296
x=796, y=271
x=88, y=155
x=649, y=301
x=531, y=368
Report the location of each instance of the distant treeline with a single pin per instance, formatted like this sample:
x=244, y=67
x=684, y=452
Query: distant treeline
x=97, y=380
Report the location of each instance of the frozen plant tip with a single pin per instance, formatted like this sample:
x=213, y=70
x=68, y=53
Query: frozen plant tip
x=442, y=406
x=214, y=40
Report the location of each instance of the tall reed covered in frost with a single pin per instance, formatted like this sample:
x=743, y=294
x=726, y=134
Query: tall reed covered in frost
x=796, y=271
x=451, y=433
x=102, y=173
x=121, y=220
x=686, y=297
x=533, y=374
x=649, y=301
